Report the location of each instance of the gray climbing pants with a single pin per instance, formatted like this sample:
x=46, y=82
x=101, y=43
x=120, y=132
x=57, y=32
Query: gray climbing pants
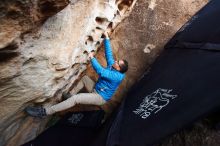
x=82, y=98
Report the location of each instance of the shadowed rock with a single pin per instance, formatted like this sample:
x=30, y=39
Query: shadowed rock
x=42, y=57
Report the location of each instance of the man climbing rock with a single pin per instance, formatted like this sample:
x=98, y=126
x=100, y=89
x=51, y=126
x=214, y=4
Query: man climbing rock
x=110, y=78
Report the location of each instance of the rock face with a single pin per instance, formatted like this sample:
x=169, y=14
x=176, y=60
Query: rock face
x=140, y=38
x=40, y=58
x=19, y=16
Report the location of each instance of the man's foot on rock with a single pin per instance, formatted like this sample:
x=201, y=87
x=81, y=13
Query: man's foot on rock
x=65, y=96
x=36, y=111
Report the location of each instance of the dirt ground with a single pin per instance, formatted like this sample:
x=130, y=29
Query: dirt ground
x=202, y=133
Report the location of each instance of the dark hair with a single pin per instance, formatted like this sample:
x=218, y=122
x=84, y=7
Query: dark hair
x=124, y=66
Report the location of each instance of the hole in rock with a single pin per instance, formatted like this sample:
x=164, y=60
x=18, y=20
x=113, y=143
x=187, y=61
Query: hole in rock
x=48, y=8
x=5, y=56
x=98, y=28
x=100, y=20
x=85, y=52
x=89, y=40
x=8, y=52
x=11, y=46
x=124, y=4
x=97, y=44
x=110, y=26
x=102, y=36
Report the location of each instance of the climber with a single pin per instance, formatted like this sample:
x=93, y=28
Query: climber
x=109, y=80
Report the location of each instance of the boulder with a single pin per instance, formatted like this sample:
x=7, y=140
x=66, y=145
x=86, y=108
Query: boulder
x=140, y=38
x=43, y=54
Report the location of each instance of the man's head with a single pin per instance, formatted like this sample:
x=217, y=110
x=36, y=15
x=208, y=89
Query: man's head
x=121, y=66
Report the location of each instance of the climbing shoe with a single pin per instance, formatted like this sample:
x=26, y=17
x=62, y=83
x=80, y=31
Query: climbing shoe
x=65, y=96
x=36, y=111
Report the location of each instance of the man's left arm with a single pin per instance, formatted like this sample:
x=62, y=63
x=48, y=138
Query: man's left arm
x=95, y=64
x=101, y=71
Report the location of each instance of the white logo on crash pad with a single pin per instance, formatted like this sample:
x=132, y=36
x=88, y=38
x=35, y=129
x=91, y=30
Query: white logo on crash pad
x=75, y=118
x=154, y=102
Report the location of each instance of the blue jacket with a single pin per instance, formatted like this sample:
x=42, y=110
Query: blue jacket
x=109, y=78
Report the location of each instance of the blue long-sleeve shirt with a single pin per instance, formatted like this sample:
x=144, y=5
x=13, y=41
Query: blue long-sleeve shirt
x=109, y=78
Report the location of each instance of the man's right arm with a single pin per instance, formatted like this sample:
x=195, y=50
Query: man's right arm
x=108, y=51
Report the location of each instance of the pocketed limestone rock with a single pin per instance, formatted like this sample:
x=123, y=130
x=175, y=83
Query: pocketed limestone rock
x=141, y=37
x=42, y=57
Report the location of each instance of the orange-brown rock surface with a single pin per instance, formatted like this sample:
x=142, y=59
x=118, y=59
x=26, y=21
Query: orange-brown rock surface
x=42, y=57
x=140, y=38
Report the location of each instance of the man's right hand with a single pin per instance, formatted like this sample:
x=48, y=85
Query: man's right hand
x=91, y=55
x=106, y=34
